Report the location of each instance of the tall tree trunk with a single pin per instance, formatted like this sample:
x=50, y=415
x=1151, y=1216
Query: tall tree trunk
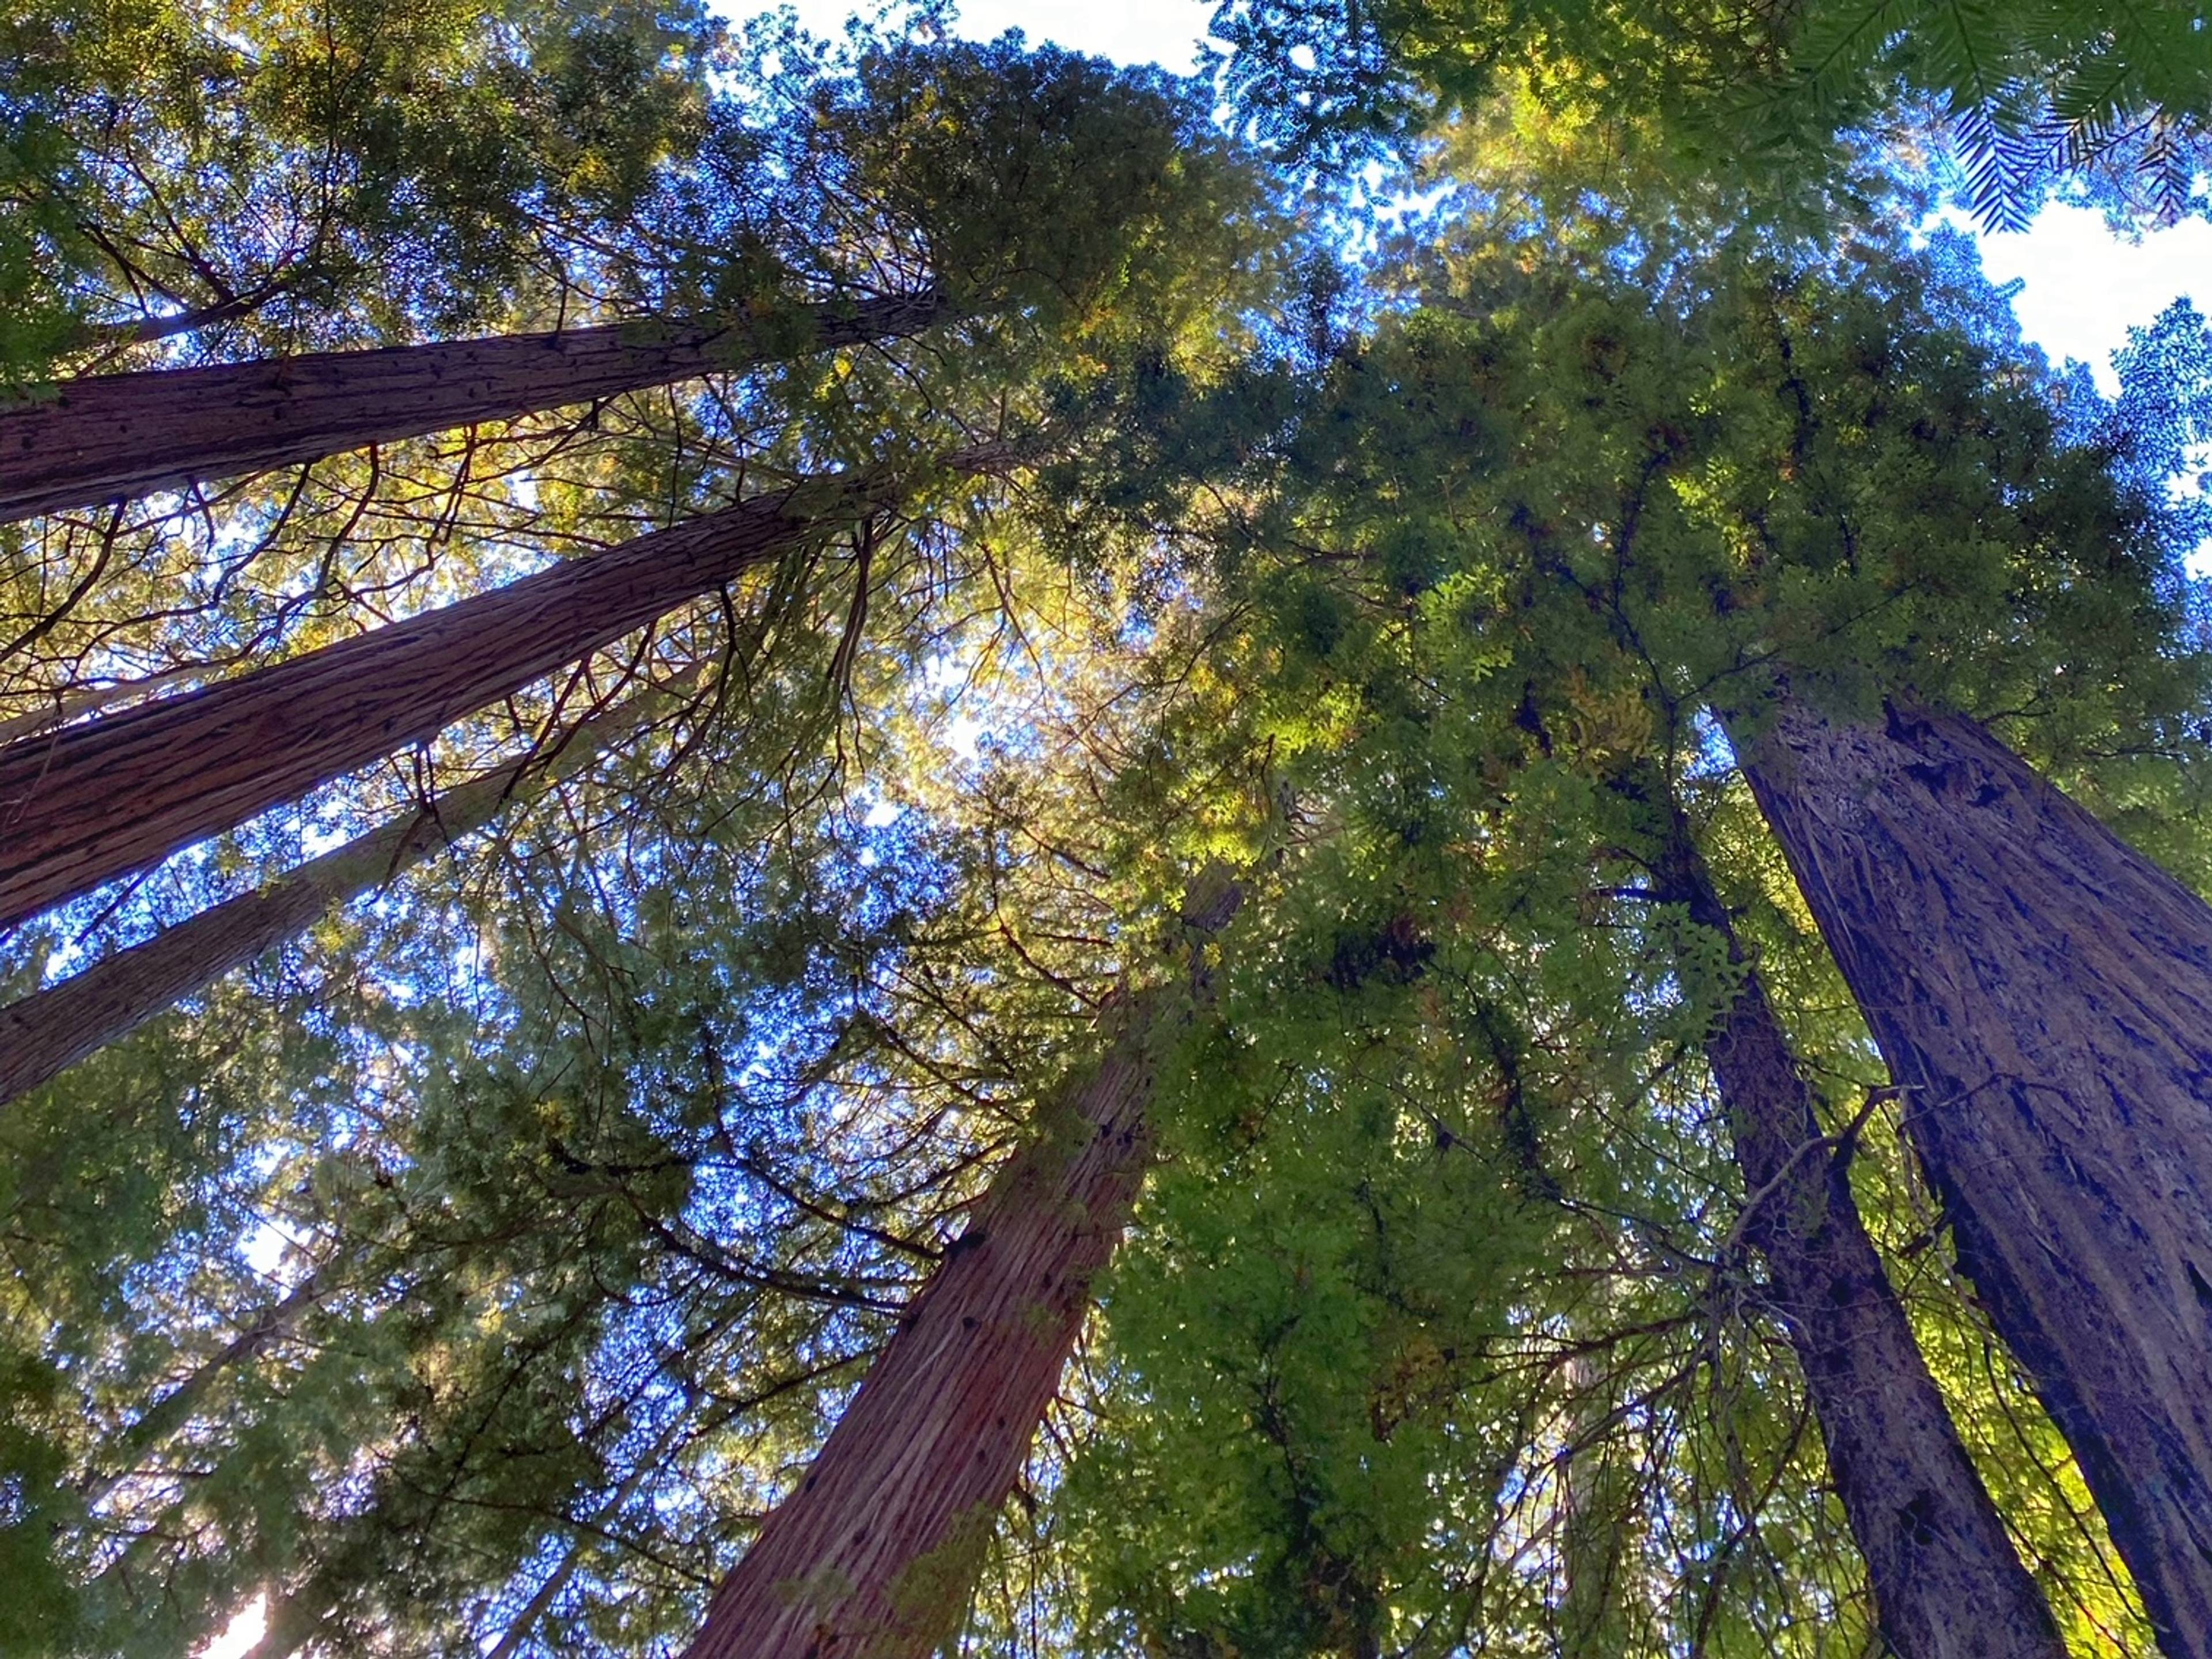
x=105, y=437
x=873, y=1556
x=1594, y=1550
x=2042, y=996
x=92, y=802
x=518, y=1628
x=52, y=1029
x=173, y=1409
x=1947, y=1583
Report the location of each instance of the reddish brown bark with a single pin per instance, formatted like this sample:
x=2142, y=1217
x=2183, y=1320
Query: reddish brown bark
x=1947, y=1583
x=91, y=802
x=44, y=1033
x=2042, y=996
x=873, y=1556
x=108, y=437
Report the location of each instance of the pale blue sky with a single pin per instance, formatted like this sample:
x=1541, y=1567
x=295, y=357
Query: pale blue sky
x=2084, y=287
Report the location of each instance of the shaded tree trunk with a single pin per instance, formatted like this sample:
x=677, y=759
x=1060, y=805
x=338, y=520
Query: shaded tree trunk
x=175, y=1408
x=2042, y=996
x=518, y=1629
x=106, y=437
x=873, y=1557
x=53, y=1028
x=92, y=802
x=1594, y=1550
x=1947, y=1583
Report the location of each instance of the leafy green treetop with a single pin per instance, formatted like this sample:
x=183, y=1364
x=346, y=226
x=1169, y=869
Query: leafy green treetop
x=2113, y=101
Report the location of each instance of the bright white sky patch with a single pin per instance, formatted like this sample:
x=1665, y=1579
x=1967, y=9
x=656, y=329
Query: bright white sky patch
x=2085, y=288
x=1162, y=32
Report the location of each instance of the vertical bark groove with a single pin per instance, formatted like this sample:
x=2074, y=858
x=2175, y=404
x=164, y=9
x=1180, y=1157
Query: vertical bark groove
x=2042, y=996
x=1947, y=1583
x=43, y=1034
x=872, y=1555
x=108, y=437
x=92, y=802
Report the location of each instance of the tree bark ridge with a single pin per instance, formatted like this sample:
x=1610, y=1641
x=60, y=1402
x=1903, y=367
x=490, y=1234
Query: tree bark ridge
x=90, y=803
x=1947, y=1583
x=2042, y=996
x=109, y=437
x=43, y=1034
x=873, y=1555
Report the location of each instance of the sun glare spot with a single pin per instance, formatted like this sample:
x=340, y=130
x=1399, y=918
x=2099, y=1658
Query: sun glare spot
x=245, y=1627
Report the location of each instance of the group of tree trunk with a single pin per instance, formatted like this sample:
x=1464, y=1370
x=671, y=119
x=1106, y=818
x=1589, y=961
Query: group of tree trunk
x=1946, y=1579
x=42, y=1034
x=2042, y=995
x=87, y=804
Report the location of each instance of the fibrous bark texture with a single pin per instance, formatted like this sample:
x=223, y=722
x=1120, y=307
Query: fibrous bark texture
x=1947, y=1582
x=44, y=1033
x=873, y=1556
x=2042, y=996
x=108, y=437
x=91, y=802
x=874, y=1553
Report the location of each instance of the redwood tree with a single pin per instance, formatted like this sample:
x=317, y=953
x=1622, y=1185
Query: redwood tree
x=1948, y=1582
x=2042, y=996
x=874, y=1553
x=111, y=436
x=89, y=802
x=56, y=1027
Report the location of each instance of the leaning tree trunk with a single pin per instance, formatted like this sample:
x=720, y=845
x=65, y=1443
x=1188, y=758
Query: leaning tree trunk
x=175, y=1408
x=92, y=802
x=873, y=1556
x=55, y=1028
x=2042, y=996
x=105, y=437
x=1947, y=1583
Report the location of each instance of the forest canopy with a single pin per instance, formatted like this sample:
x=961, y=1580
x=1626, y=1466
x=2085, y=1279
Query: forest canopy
x=887, y=846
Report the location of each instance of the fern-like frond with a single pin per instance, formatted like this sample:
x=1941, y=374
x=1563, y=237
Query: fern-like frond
x=2090, y=106
x=1969, y=46
x=2003, y=168
x=1843, y=39
x=2167, y=48
x=2168, y=169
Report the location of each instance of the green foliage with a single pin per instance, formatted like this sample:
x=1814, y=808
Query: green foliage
x=480, y=1268
x=264, y=173
x=2112, y=100
x=1590, y=486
